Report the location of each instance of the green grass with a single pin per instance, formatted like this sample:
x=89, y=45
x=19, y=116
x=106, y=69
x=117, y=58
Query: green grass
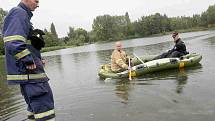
x=183, y=31
x=193, y=30
x=1, y=56
x=47, y=49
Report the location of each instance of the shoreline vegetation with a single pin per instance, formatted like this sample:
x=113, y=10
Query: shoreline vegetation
x=107, y=28
x=53, y=48
x=47, y=49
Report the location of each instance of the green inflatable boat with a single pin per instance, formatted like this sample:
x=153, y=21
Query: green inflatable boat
x=149, y=66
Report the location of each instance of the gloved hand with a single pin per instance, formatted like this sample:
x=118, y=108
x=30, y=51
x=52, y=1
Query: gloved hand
x=134, y=68
x=128, y=57
x=129, y=68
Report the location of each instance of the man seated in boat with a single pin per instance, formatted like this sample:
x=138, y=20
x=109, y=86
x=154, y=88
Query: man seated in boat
x=178, y=50
x=119, y=59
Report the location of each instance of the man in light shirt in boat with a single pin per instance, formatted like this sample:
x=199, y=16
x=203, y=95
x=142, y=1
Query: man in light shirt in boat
x=119, y=59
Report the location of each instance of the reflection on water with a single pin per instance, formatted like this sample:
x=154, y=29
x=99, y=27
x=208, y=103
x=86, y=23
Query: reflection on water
x=123, y=87
x=181, y=80
x=211, y=41
x=10, y=98
x=122, y=90
x=170, y=95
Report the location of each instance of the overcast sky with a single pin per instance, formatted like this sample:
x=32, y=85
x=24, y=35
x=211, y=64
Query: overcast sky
x=80, y=13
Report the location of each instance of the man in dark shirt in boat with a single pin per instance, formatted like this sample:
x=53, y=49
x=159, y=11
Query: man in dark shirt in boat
x=178, y=50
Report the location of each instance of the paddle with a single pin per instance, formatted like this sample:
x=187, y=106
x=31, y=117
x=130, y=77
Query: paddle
x=139, y=59
x=129, y=66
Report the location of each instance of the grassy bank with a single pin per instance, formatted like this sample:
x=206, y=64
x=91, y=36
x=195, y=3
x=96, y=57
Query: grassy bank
x=165, y=33
x=194, y=30
x=184, y=31
x=1, y=56
x=47, y=49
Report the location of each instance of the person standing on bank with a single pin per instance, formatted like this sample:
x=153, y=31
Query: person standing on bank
x=24, y=63
x=178, y=50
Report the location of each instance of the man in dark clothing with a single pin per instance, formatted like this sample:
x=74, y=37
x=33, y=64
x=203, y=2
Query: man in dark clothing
x=24, y=63
x=178, y=50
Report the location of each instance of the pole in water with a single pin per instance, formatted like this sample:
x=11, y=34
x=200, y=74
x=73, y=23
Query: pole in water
x=129, y=66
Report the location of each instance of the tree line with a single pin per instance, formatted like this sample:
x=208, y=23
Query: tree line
x=112, y=28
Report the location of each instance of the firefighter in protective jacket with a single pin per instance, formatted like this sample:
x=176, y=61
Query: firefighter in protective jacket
x=24, y=63
x=118, y=59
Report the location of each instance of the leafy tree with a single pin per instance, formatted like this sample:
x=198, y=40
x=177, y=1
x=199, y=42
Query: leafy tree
x=211, y=15
x=2, y=15
x=103, y=27
x=71, y=33
x=165, y=24
x=51, y=38
x=127, y=28
x=92, y=36
x=53, y=30
x=109, y=28
x=196, y=20
x=204, y=20
x=128, y=21
x=78, y=36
